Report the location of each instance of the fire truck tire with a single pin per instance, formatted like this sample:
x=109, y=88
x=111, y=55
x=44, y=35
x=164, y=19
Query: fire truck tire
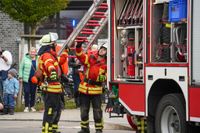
x=170, y=115
x=131, y=121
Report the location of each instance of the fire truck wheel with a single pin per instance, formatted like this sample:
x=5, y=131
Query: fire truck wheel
x=131, y=121
x=170, y=115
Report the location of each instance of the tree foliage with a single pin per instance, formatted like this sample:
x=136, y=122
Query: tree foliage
x=31, y=11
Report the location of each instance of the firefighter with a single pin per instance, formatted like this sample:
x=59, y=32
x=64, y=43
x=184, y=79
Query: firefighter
x=49, y=64
x=90, y=89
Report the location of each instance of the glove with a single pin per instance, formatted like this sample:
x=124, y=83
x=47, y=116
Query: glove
x=102, y=78
x=79, y=44
x=53, y=75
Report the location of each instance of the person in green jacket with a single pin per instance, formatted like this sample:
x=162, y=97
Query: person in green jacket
x=27, y=68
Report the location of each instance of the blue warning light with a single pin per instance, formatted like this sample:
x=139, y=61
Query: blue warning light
x=73, y=22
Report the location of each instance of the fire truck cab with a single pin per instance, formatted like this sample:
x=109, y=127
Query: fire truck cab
x=154, y=65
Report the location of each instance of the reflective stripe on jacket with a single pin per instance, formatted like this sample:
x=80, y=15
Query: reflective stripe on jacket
x=53, y=88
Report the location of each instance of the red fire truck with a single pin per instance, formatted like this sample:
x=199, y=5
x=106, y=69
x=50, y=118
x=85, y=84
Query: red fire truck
x=154, y=65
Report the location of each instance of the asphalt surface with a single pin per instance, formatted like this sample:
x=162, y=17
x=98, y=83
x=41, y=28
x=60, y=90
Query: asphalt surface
x=31, y=122
x=65, y=127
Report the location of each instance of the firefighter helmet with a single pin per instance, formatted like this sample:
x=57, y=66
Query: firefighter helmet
x=105, y=45
x=53, y=36
x=48, y=39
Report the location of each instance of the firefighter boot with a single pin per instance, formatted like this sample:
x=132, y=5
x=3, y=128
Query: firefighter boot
x=11, y=111
x=99, y=131
x=84, y=130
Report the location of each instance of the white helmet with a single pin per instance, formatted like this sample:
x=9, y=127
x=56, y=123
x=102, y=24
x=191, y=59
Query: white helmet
x=48, y=39
x=53, y=36
x=105, y=45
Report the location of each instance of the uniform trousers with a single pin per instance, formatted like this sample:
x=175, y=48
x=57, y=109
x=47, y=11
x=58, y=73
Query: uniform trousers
x=53, y=105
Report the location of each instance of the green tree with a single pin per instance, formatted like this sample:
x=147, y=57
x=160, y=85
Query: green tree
x=32, y=12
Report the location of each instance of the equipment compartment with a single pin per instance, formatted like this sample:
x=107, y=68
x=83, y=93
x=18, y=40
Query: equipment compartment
x=128, y=58
x=168, y=39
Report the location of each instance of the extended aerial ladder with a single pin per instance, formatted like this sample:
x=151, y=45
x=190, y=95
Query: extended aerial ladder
x=90, y=25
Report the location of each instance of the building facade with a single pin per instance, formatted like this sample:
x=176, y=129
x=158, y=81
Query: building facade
x=10, y=31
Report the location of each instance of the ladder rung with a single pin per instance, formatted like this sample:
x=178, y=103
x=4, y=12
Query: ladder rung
x=99, y=13
x=79, y=40
x=86, y=32
x=104, y=4
x=99, y=16
x=86, y=29
x=103, y=7
x=93, y=21
x=93, y=24
x=81, y=37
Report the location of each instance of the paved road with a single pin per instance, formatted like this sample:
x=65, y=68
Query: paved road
x=8, y=126
x=70, y=123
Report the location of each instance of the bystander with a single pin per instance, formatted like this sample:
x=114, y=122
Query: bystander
x=26, y=72
x=5, y=63
x=10, y=91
